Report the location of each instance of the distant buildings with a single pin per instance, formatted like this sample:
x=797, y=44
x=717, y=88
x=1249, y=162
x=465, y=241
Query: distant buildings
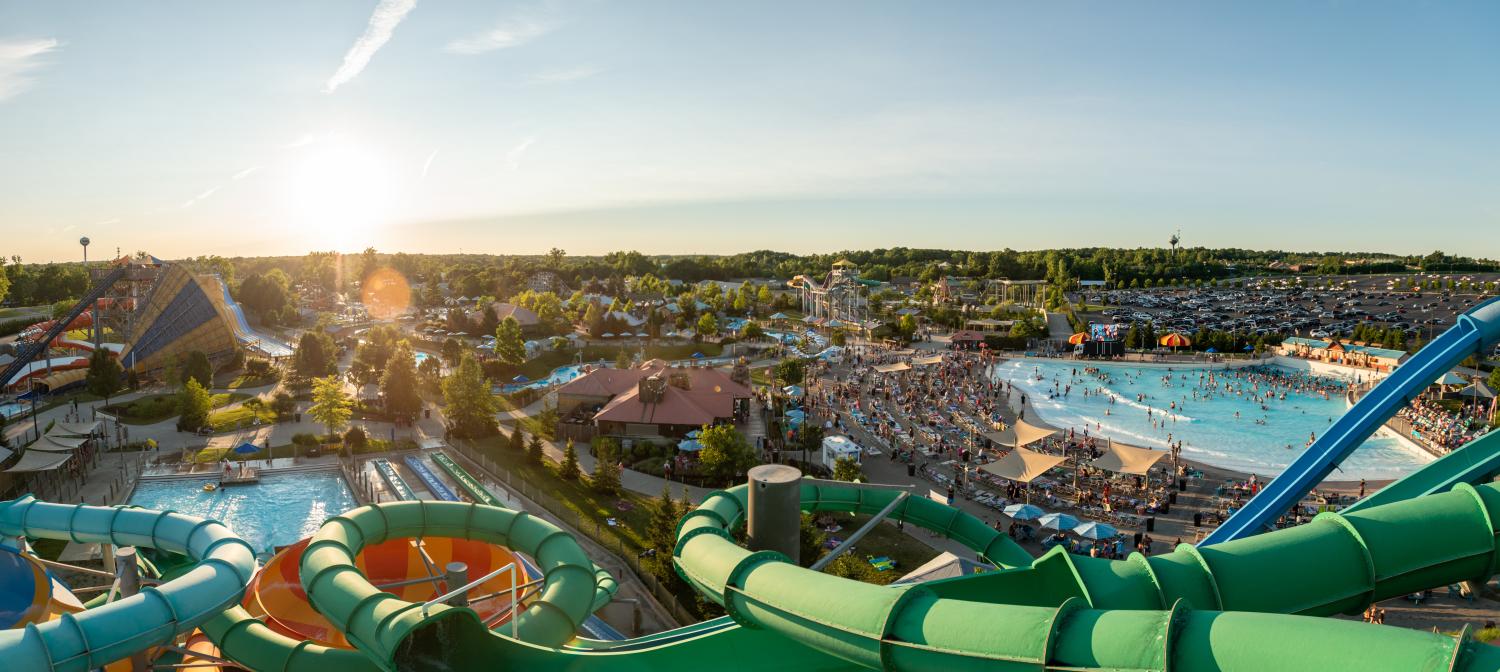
x=1344, y=354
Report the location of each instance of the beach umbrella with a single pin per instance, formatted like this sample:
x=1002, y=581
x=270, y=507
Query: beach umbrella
x=1248, y=347
x=697, y=355
x=1023, y=511
x=1211, y=350
x=1058, y=521
x=694, y=434
x=608, y=334
x=1175, y=340
x=1078, y=338
x=793, y=390
x=690, y=446
x=246, y=449
x=1092, y=530
x=520, y=379
x=1451, y=378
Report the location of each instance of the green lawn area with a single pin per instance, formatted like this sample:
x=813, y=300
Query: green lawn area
x=632, y=518
x=154, y=408
x=240, y=416
x=908, y=552
x=246, y=380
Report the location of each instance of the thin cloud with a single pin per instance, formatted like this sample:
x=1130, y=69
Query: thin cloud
x=209, y=192
x=564, y=75
x=245, y=173
x=18, y=58
x=513, y=157
x=388, y=14
x=427, y=165
x=512, y=32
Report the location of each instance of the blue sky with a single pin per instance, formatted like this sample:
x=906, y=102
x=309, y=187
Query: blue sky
x=189, y=128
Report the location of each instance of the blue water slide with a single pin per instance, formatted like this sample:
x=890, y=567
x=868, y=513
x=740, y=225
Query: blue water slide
x=398, y=485
x=271, y=346
x=157, y=615
x=1475, y=331
x=430, y=479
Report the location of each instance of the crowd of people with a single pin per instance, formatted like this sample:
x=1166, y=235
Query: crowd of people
x=1440, y=428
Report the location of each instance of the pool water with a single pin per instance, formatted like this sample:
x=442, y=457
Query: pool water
x=279, y=510
x=420, y=357
x=1256, y=441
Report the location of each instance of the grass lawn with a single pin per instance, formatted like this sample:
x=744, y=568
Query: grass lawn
x=632, y=518
x=240, y=416
x=246, y=380
x=154, y=408
x=908, y=552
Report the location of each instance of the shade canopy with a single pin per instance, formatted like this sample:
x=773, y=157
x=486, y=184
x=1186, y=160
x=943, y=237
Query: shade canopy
x=1023, y=465
x=927, y=361
x=1123, y=459
x=1176, y=340
x=893, y=368
x=38, y=460
x=1021, y=433
x=57, y=444
x=1478, y=389
x=74, y=429
x=1451, y=378
x=246, y=449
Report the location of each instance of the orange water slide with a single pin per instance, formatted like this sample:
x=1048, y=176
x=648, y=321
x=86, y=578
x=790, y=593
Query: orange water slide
x=276, y=597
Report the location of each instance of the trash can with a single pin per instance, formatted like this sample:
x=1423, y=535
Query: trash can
x=1182, y=485
x=1151, y=524
x=1171, y=498
x=299, y=417
x=911, y=469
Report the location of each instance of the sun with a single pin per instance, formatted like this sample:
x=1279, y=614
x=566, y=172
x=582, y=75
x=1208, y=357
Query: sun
x=340, y=194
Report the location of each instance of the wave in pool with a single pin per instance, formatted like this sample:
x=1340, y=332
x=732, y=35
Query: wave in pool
x=1232, y=424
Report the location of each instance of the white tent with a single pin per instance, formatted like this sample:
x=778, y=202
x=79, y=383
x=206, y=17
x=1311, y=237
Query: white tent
x=1123, y=459
x=1023, y=465
x=38, y=460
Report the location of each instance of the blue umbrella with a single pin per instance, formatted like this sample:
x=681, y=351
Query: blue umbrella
x=246, y=449
x=694, y=434
x=1023, y=511
x=1211, y=350
x=1092, y=530
x=1248, y=348
x=1058, y=521
x=690, y=446
x=697, y=355
x=520, y=379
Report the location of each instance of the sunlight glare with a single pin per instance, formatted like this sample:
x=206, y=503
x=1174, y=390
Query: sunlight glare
x=340, y=194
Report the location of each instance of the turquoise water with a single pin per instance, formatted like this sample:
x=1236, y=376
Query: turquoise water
x=1256, y=441
x=420, y=357
x=279, y=510
x=558, y=376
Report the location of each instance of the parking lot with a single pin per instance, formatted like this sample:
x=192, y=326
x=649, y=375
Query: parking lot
x=1317, y=307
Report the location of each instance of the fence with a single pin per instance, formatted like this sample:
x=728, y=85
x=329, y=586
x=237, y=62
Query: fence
x=602, y=535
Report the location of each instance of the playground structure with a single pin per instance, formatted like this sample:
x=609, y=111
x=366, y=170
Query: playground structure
x=1248, y=599
x=156, y=310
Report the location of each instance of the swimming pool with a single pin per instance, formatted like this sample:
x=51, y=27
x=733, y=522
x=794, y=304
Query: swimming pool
x=558, y=376
x=1256, y=440
x=279, y=510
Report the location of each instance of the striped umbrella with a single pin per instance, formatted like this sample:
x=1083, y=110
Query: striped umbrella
x=1175, y=340
x=1077, y=338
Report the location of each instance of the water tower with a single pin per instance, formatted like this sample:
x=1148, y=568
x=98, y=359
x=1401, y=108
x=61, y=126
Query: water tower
x=84, y=241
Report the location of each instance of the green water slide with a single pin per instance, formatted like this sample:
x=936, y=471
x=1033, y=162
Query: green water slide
x=221, y=564
x=1249, y=604
x=1474, y=462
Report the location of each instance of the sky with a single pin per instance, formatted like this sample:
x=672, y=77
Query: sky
x=257, y=128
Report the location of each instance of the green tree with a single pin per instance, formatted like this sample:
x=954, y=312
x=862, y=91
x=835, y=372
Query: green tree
x=518, y=440
x=606, y=477
x=853, y=567
x=399, y=384
x=846, y=469
x=810, y=438
x=791, y=371
x=725, y=451
x=315, y=355
x=331, y=406
x=568, y=470
x=193, y=406
x=105, y=374
x=661, y=534
x=1495, y=378
x=197, y=367
x=812, y=539
x=510, y=347
x=708, y=325
x=452, y=351
x=471, y=408
x=534, y=450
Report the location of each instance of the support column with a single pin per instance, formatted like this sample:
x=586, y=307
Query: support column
x=774, y=522
x=456, y=575
x=130, y=584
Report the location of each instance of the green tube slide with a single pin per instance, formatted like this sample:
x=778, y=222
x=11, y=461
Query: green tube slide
x=92, y=638
x=1474, y=462
x=1242, y=605
x=1181, y=610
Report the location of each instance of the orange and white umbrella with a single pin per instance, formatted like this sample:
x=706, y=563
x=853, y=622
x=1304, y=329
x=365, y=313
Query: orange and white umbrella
x=1176, y=340
x=1079, y=337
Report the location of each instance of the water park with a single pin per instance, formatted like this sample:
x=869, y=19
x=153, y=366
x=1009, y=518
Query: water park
x=446, y=572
